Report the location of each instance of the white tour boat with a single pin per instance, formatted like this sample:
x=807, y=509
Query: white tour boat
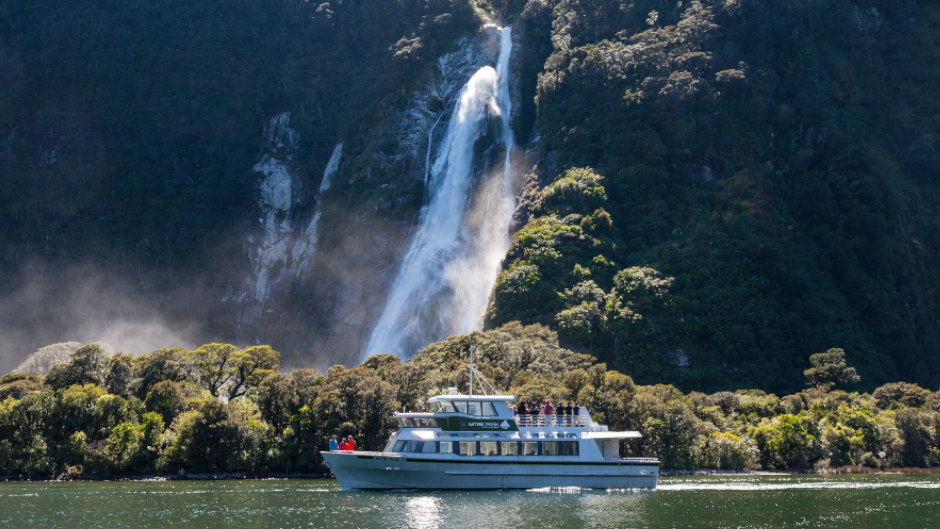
x=479, y=442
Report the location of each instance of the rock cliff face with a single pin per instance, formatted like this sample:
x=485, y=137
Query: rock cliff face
x=279, y=191
x=283, y=249
x=321, y=264
x=138, y=139
x=715, y=190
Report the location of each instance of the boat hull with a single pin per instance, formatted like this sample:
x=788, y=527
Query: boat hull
x=379, y=470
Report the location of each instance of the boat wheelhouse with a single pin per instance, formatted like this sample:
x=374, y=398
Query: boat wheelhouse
x=479, y=442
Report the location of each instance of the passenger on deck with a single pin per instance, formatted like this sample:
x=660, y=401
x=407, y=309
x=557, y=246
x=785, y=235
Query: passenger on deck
x=334, y=444
x=547, y=410
x=576, y=414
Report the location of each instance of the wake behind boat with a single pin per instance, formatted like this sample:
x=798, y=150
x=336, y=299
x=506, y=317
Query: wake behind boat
x=479, y=442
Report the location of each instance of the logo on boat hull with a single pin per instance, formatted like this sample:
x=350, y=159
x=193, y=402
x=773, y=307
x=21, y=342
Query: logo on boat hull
x=462, y=423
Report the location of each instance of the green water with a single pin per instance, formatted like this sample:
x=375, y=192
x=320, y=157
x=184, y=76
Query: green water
x=896, y=502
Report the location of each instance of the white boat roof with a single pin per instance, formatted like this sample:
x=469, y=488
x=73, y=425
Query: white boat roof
x=611, y=435
x=501, y=398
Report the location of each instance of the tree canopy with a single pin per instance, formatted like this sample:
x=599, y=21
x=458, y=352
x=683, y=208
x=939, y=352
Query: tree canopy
x=263, y=421
x=829, y=369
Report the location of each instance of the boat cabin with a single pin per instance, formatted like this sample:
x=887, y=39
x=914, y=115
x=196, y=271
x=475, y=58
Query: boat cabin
x=480, y=427
x=477, y=405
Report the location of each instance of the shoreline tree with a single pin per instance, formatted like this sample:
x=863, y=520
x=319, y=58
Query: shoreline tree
x=830, y=370
x=163, y=419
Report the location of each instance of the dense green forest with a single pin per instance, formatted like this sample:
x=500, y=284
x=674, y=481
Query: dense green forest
x=727, y=185
x=718, y=187
x=219, y=409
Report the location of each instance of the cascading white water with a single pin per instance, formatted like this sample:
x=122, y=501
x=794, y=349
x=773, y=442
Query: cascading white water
x=306, y=248
x=449, y=270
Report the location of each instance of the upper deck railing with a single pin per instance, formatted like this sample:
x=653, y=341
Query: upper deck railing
x=582, y=420
x=540, y=420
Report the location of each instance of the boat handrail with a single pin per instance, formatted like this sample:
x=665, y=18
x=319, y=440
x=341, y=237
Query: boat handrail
x=650, y=460
x=370, y=453
x=582, y=420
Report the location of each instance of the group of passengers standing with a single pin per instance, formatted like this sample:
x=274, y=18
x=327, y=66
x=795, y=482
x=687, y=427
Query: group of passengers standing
x=348, y=443
x=565, y=414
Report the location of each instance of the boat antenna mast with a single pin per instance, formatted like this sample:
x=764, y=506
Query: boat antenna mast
x=471, y=370
x=481, y=377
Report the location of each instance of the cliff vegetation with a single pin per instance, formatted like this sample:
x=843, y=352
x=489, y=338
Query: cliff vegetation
x=720, y=187
x=728, y=186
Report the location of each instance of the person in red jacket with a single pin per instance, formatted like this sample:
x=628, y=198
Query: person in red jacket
x=351, y=443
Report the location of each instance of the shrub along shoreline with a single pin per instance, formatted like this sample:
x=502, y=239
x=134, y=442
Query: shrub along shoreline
x=221, y=412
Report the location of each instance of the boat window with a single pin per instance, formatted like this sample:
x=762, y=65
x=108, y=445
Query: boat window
x=488, y=409
x=550, y=448
x=399, y=446
x=461, y=406
x=426, y=422
x=417, y=422
x=443, y=407
x=473, y=408
x=567, y=448
x=509, y=448
x=530, y=448
x=488, y=448
x=467, y=448
x=446, y=447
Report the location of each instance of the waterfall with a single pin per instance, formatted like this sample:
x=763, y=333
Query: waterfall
x=446, y=276
x=427, y=159
x=306, y=248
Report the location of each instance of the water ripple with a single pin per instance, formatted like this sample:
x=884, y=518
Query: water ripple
x=750, y=485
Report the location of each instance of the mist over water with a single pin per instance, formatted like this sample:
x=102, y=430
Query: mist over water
x=445, y=279
x=441, y=287
x=83, y=304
